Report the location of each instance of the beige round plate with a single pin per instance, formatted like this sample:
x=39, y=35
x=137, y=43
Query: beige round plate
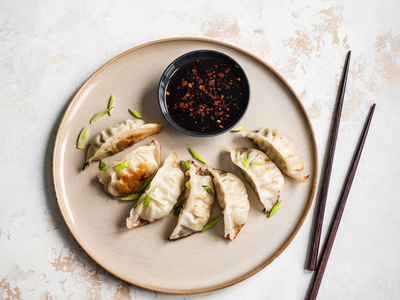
x=144, y=257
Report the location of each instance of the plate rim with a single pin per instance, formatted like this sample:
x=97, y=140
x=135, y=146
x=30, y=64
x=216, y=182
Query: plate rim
x=121, y=276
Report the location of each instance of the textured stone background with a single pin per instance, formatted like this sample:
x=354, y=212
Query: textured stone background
x=49, y=48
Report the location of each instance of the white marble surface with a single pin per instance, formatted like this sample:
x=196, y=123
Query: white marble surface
x=49, y=48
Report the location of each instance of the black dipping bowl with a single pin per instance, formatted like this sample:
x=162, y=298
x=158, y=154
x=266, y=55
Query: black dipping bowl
x=230, y=113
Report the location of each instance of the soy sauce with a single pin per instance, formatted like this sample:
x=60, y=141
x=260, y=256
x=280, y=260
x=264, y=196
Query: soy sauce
x=205, y=96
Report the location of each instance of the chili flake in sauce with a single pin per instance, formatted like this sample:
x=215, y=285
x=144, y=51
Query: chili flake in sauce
x=205, y=96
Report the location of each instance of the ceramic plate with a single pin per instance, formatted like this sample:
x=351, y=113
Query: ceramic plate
x=144, y=256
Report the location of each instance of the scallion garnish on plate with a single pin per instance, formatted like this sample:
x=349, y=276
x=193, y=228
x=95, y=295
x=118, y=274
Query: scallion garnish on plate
x=178, y=207
x=111, y=105
x=245, y=162
x=197, y=156
x=82, y=138
x=99, y=115
x=146, y=199
x=208, y=189
x=124, y=165
x=145, y=184
x=135, y=113
x=131, y=197
x=239, y=128
x=185, y=164
x=211, y=224
x=258, y=163
x=274, y=209
x=102, y=165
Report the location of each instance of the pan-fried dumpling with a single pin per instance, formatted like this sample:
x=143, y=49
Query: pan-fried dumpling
x=162, y=194
x=197, y=205
x=119, y=137
x=281, y=150
x=261, y=172
x=120, y=181
x=233, y=200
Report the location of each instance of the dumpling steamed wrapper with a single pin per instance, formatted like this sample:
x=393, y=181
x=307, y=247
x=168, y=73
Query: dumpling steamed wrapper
x=116, y=138
x=281, y=150
x=261, y=172
x=233, y=200
x=143, y=162
x=164, y=191
x=197, y=205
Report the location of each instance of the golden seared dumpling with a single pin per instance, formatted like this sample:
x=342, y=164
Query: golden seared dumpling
x=116, y=138
x=122, y=178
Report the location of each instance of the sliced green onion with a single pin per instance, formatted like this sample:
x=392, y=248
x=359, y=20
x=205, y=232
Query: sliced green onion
x=137, y=204
x=237, y=155
x=131, y=197
x=186, y=164
x=239, y=128
x=195, y=224
x=111, y=105
x=99, y=115
x=145, y=184
x=136, y=113
x=124, y=165
x=211, y=224
x=258, y=163
x=146, y=199
x=245, y=162
x=102, y=165
x=208, y=189
x=83, y=137
x=274, y=209
x=178, y=207
x=196, y=156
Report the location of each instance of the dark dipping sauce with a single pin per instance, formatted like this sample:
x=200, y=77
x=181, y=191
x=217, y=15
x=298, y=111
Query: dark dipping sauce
x=206, y=96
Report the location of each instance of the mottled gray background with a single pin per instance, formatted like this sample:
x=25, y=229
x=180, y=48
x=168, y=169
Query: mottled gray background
x=49, y=48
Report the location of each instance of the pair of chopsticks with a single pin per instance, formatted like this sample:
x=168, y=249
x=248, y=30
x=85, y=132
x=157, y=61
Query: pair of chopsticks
x=312, y=263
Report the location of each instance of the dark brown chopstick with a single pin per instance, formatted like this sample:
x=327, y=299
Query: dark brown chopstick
x=339, y=212
x=312, y=262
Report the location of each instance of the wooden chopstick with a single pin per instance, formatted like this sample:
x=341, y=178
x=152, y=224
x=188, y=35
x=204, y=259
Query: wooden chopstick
x=312, y=262
x=339, y=212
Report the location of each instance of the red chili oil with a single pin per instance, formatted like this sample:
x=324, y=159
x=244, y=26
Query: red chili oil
x=205, y=96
